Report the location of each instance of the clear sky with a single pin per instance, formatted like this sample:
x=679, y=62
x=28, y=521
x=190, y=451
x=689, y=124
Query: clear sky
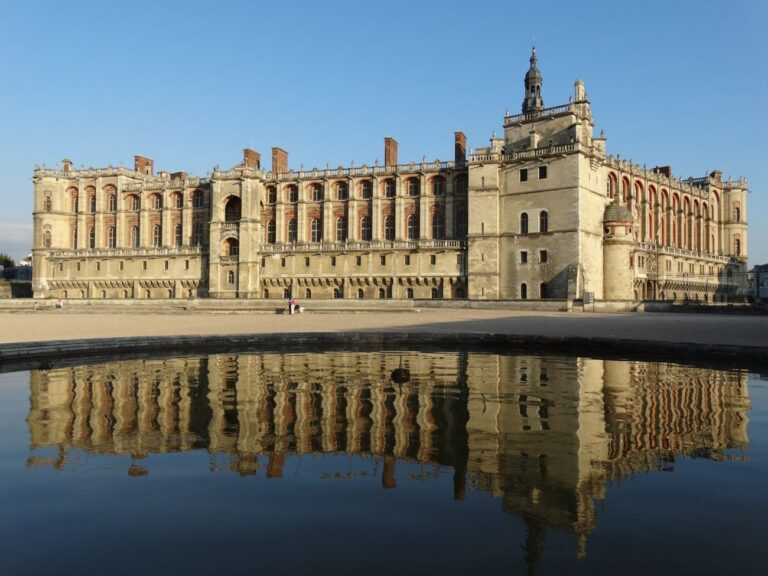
x=191, y=83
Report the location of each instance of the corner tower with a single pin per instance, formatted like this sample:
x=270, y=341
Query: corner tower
x=533, y=80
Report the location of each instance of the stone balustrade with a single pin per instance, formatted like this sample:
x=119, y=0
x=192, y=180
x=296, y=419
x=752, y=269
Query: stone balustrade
x=362, y=246
x=127, y=252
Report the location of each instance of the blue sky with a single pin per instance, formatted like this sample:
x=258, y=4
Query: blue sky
x=192, y=83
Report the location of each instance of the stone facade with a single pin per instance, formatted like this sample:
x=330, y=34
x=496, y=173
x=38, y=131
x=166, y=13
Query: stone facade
x=523, y=218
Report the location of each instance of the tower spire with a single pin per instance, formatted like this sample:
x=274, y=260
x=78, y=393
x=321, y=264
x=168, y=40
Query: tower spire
x=533, y=81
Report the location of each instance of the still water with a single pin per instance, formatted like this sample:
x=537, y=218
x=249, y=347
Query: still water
x=383, y=463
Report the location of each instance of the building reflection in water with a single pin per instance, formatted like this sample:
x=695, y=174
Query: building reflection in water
x=545, y=435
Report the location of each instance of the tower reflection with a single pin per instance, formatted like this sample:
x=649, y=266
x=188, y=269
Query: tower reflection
x=545, y=435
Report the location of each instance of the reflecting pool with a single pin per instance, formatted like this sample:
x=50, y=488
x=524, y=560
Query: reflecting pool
x=383, y=463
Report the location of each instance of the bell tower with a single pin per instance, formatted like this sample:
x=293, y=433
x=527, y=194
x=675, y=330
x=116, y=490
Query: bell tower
x=533, y=80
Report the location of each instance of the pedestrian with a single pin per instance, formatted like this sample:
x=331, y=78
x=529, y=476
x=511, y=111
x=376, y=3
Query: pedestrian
x=292, y=305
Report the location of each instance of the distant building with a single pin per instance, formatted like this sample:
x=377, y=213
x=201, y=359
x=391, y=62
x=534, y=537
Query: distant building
x=759, y=284
x=542, y=212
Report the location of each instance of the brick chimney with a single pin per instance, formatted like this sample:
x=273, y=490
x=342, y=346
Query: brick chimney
x=179, y=175
x=279, y=160
x=717, y=175
x=664, y=171
x=460, y=147
x=144, y=165
x=251, y=158
x=390, y=151
x=66, y=165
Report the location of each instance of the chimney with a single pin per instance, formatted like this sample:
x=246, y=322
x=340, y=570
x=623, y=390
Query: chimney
x=144, y=165
x=460, y=147
x=251, y=158
x=179, y=175
x=663, y=170
x=279, y=160
x=390, y=151
x=717, y=175
x=66, y=165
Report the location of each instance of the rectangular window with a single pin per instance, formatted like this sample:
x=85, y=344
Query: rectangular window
x=78, y=266
x=166, y=264
x=333, y=260
x=524, y=257
x=524, y=175
x=433, y=260
x=543, y=256
x=383, y=260
x=61, y=267
x=263, y=262
x=98, y=266
x=542, y=172
x=407, y=261
x=358, y=260
x=144, y=265
x=282, y=262
x=186, y=264
x=121, y=265
x=306, y=261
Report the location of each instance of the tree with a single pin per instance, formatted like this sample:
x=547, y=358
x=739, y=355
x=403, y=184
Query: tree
x=6, y=261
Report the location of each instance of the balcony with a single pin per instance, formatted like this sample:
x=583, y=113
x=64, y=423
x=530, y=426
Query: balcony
x=376, y=245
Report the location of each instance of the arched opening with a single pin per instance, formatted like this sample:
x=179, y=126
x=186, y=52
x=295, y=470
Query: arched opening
x=157, y=201
x=523, y=291
x=232, y=209
x=390, y=188
x=382, y=294
x=157, y=235
x=337, y=293
x=413, y=187
x=92, y=203
x=47, y=239
x=409, y=293
x=91, y=238
x=293, y=194
x=543, y=290
x=112, y=203
x=316, y=193
x=111, y=237
x=271, y=195
x=271, y=232
x=230, y=277
x=360, y=294
x=292, y=230
x=197, y=234
x=524, y=223
x=231, y=247
x=197, y=199
x=177, y=235
x=366, y=190
x=316, y=230
x=389, y=228
x=438, y=226
x=134, y=236
x=438, y=186
x=341, y=230
x=342, y=191
x=47, y=202
x=543, y=221
x=308, y=294
x=178, y=200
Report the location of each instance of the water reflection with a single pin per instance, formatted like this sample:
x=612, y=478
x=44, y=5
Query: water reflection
x=545, y=435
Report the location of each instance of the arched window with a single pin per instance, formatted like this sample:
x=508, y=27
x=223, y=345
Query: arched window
x=47, y=203
x=232, y=209
x=360, y=293
x=737, y=246
x=366, y=190
x=74, y=237
x=435, y=293
x=178, y=235
x=341, y=230
x=230, y=277
x=438, y=226
x=543, y=290
x=524, y=223
x=231, y=247
x=523, y=291
x=317, y=193
x=409, y=293
x=315, y=230
x=292, y=230
x=365, y=228
x=134, y=236
x=112, y=203
x=382, y=293
x=266, y=293
x=92, y=203
x=413, y=187
x=157, y=235
x=197, y=199
x=74, y=201
x=390, y=188
x=135, y=203
x=438, y=186
x=157, y=202
x=197, y=234
x=413, y=227
x=611, y=187
x=178, y=200
x=47, y=239
x=389, y=228
x=737, y=214
x=271, y=195
x=293, y=194
x=336, y=293
x=543, y=221
x=342, y=191
x=460, y=185
x=271, y=232
x=308, y=294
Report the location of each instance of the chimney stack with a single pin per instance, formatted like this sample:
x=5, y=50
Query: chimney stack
x=66, y=165
x=460, y=148
x=279, y=160
x=144, y=165
x=251, y=158
x=390, y=151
